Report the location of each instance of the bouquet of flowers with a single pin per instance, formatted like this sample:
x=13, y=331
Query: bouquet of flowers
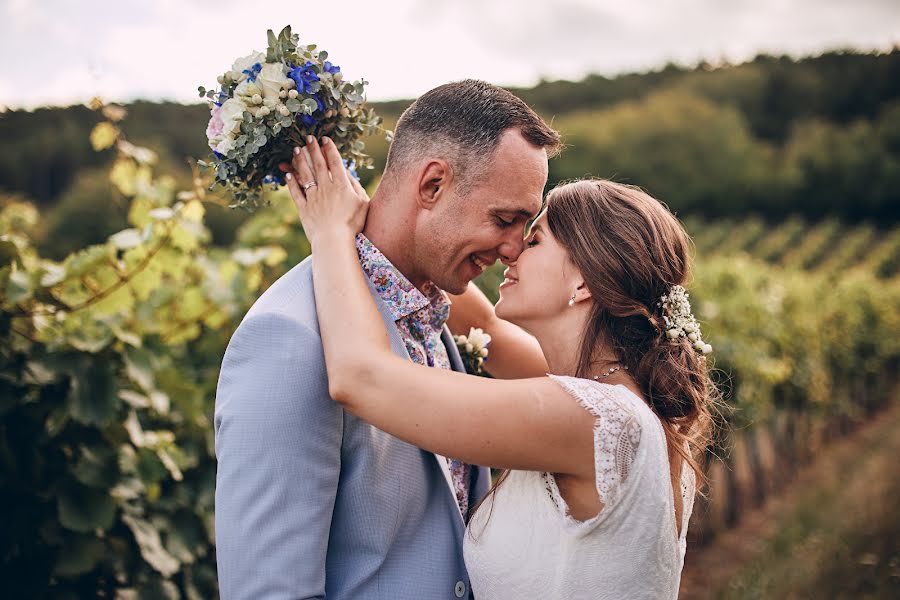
x=268, y=103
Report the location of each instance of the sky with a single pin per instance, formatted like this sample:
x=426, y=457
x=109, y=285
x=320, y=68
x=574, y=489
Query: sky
x=62, y=52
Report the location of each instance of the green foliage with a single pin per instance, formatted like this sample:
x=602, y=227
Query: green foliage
x=108, y=365
x=666, y=142
x=109, y=356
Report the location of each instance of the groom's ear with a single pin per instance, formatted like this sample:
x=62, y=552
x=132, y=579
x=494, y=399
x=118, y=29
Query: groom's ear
x=433, y=180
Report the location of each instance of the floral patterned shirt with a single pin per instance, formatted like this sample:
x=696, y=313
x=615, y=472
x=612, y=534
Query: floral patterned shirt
x=419, y=317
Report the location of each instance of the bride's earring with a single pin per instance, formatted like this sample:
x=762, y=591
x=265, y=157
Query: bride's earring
x=572, y=300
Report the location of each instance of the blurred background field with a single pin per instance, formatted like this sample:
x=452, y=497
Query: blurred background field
x=122, y=278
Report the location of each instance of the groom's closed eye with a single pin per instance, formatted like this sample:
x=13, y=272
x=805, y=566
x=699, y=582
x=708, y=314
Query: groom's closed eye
x=508, y=218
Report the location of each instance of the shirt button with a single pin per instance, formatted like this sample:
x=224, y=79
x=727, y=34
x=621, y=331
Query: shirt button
x=460, y=589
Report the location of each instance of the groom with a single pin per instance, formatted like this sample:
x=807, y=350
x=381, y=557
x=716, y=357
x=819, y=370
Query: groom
x=312, y=502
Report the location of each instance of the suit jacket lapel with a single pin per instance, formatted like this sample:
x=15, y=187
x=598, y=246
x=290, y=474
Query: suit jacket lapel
x=399, y=348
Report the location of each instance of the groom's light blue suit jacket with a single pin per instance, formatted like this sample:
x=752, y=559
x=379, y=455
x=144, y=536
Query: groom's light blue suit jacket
x=312, y=502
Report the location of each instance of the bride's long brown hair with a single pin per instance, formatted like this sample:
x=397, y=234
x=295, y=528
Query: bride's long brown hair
x=631, y=250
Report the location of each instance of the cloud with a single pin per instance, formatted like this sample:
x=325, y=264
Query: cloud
x=62, y=52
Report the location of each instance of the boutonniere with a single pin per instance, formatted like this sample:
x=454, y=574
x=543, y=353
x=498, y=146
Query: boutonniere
x=473, y=349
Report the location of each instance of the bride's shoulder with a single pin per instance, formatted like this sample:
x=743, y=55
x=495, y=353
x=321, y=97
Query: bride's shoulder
x=600, y=397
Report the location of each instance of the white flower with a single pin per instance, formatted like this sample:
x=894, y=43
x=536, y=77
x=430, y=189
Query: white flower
x=272, y=79
x=256, y=99
x=245, y=90
x=470, y=348
x=232, y=113
x=699, y=346
x=707, y=349
x=292, y=93
x=478, y=338
x=244, y=64
x=691, y=336
x=673, y=333
x=484, y=352
x=283, y=110
x=224, y=146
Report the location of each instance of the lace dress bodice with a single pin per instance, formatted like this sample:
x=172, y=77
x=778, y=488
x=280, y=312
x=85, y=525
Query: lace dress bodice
x=522, y=543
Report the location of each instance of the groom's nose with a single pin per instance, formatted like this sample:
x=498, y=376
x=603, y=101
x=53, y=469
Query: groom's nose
x=511, y=248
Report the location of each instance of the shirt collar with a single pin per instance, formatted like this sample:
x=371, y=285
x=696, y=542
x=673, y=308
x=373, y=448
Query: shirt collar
x=398, y=293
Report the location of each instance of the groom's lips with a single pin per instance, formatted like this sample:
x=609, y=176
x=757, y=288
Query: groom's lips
x=479, y=263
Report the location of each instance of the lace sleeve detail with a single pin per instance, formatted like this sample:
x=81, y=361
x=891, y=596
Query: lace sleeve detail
x=617, y=434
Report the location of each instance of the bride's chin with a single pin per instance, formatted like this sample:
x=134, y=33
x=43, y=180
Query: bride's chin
x=500, y=309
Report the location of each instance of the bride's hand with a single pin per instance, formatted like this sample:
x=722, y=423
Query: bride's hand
x=330, y=201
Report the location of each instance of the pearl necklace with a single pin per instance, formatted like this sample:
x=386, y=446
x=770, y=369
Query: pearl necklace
x=610, y=371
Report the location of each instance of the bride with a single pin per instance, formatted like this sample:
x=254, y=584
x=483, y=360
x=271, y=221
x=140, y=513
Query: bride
x=600, y=474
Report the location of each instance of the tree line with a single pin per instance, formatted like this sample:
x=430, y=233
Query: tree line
x=774, y=136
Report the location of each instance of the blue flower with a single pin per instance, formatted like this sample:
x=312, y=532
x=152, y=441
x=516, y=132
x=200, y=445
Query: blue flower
x=252, y=72
x=304, y=77
x=218, y=155
x=330, y=68
x=307, y=121
x=274, y=178
x=319, y=102
x=351, y=167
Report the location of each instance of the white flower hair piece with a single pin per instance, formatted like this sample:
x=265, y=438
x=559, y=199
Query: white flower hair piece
x=680, y=322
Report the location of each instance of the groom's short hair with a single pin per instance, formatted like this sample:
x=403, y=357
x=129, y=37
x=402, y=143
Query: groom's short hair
x=462, y=122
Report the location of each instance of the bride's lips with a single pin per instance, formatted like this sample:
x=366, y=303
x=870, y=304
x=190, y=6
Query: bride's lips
x=509, y=280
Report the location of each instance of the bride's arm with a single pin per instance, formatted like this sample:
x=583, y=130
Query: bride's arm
x=514, y=354
x=529, y=424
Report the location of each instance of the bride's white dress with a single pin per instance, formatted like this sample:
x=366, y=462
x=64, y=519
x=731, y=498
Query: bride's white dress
x=522, y=544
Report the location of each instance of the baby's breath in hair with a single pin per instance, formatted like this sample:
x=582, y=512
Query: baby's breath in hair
x=680, y=322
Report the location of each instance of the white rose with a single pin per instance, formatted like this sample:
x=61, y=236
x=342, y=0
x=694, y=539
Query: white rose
x=244, y=63
x=272, y=79
x=232, y=113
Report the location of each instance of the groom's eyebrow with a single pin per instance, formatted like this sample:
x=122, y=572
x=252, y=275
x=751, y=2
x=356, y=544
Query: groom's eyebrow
x=520, y=213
